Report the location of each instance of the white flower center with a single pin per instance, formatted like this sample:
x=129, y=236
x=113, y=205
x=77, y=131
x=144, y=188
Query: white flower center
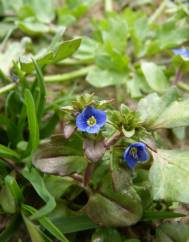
x=91, y=121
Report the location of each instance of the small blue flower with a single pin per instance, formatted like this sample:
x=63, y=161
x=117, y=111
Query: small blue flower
x=181, y=52
x=136, y=152
x=90, y=120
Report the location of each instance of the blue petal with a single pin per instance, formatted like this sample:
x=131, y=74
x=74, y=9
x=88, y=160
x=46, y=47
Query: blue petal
x=126, y=153
x=131, y=161
x=100, y=117
x=182, y=52
x=88, y=112
x=143, y=154
x=81, y=122
x=93, y=129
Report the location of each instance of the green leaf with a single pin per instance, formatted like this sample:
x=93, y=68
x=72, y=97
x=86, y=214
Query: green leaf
x=175, y=115
x=7, y=200
x=98, y=77
x=87, y=49
x=62, y=185
x=69, y=221
x=42, y=92
x=152, y=106
x=106, y=235
x=107, y=212
x=8, y=153
x=164, y=112
x=169, y=175
x=33, y=28
x=51, y=55
x=12, y=52
x=180, y=132
x=154, y=76
x=172, y=232
x=169, y=35
x=60, y=156
x=37, y=182
x=34, y=231
x=110, y=34
x=46, y=223
x=66, y=49
x=14, y=189
x=115, y=207
x=134, y=88
x=32, y=121
x=153, y=214
x=10, y=195
x=44, y=9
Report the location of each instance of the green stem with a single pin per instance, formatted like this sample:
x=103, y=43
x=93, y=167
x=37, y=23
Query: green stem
x=53, y=78
x=7, y=88
x=67, y=76
x=158, y=12
x=183, y=86
x=76, y=62
x=108, y=5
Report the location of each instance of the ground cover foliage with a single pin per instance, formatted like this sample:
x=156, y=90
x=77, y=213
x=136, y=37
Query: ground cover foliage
x=94, y=120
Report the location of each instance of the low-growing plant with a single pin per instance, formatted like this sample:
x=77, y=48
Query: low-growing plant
x=103, y=158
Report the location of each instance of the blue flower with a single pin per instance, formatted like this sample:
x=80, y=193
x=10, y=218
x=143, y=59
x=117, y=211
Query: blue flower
x=181, y=52
x=90, y=120
x=136, y=152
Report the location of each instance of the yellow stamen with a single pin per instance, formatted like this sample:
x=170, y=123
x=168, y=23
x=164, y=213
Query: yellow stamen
x=91, y=121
